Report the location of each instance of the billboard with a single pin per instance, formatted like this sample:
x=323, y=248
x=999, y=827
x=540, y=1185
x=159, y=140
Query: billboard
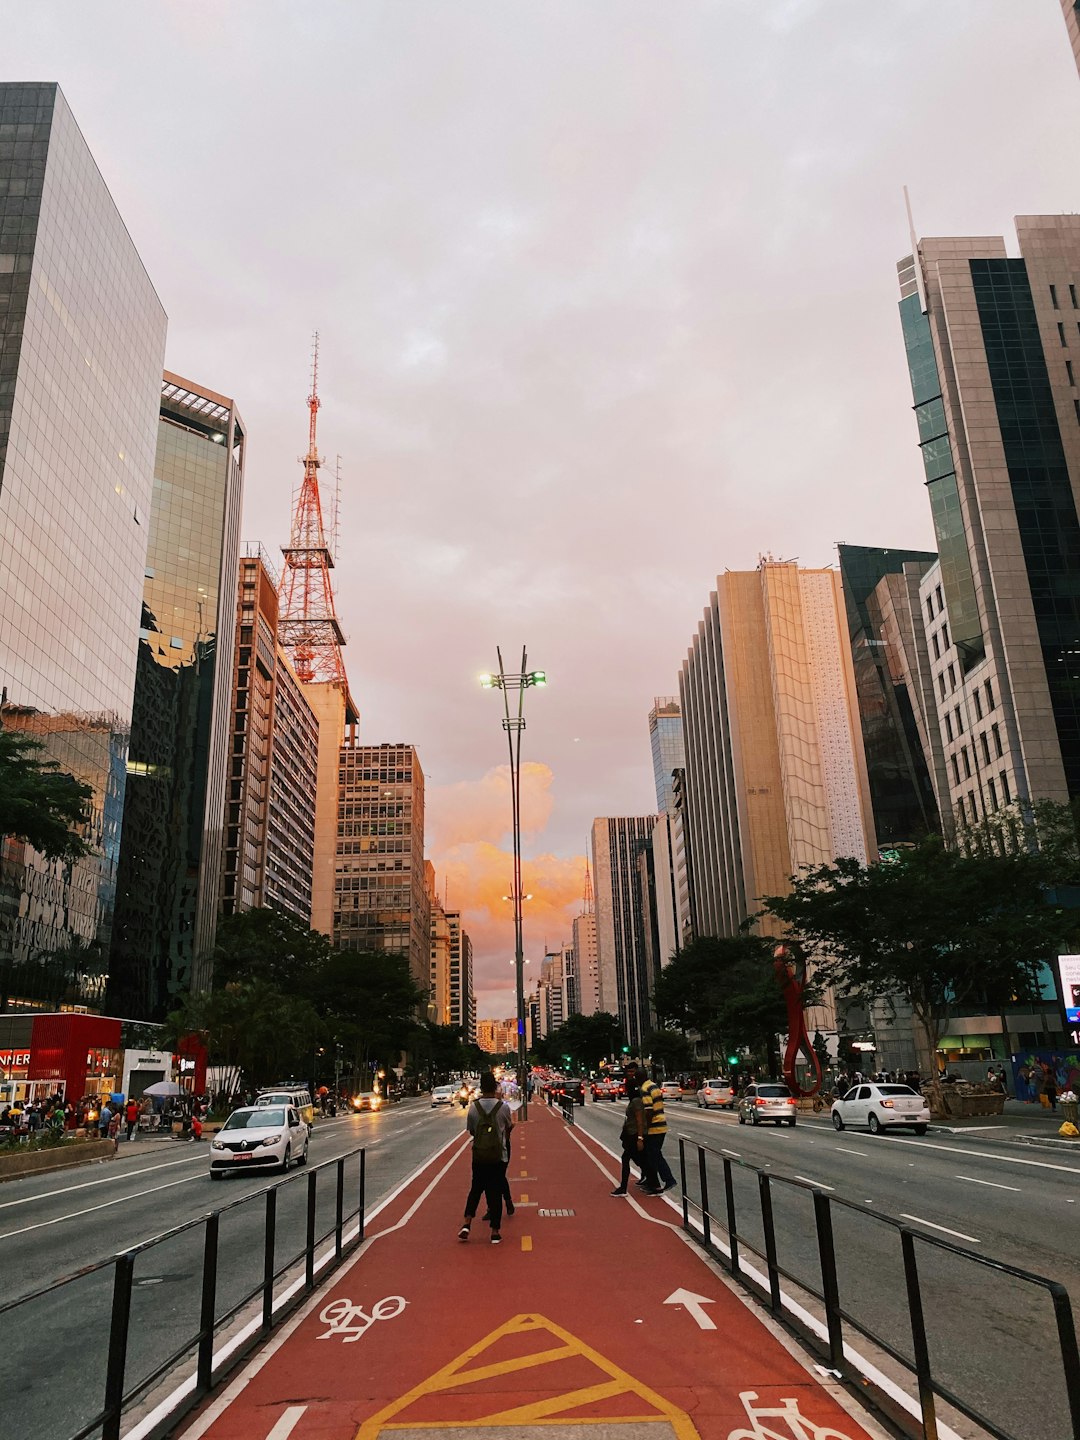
x=1069, y=978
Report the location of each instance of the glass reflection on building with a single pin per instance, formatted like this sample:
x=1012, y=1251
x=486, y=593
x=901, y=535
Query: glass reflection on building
x=82, y=338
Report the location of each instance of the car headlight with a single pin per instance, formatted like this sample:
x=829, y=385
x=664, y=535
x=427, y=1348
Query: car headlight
x=217, y=1145
x=271, y=1140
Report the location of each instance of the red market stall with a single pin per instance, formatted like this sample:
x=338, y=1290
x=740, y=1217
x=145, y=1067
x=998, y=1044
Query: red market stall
x=73, y=1053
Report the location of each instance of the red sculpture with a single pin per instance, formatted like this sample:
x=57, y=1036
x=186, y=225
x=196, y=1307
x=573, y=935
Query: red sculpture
x=789, y=963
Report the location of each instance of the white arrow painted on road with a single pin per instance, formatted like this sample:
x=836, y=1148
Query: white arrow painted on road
x=692, y=1304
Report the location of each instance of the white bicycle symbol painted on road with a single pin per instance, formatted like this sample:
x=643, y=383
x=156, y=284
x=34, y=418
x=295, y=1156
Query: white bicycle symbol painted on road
x=351, y=1321
x=797, y=1426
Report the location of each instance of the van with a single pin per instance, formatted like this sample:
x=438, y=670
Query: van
x=289, y=1095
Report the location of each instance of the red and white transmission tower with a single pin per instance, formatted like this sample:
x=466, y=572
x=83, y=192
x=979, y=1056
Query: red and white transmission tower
x=587, y=902
x=308, y=626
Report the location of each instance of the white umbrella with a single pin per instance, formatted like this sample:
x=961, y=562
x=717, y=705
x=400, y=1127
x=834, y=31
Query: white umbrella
x=163, y=1087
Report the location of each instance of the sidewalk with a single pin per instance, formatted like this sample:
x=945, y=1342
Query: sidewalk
x=594, y=1320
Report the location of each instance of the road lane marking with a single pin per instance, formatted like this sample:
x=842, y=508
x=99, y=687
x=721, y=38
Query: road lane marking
x=108, y=1180
x=286, y=1422
x=725, y=1151
x=526, y=1242
x=986, y=1155
x=844, y=1150
x=819, y=1183
x=75, y=1214
x=974, y=1239
x=1015, y=1188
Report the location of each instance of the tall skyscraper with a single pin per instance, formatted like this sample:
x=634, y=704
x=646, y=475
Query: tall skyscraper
x=668, y=749
x=876, y=583
x=998, y=412
x=380, y=890
x=1071, y=10
x=587, y=964
x=273, y=761
x=626, y=978
x=670, y=918
x=82, y=340
x=461, y=994
x=172, y=848
x=775, y=772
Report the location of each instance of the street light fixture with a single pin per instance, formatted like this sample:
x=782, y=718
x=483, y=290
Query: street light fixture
x=514, y=723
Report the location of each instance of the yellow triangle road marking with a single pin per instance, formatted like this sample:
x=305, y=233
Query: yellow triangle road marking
x=481, y=1362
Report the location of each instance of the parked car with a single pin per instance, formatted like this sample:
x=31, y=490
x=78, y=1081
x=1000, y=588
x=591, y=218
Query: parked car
x=605, y=1089
x=718, y=1094
x=767, y=1100
x=259, y=1136
x=671, y=1090
x=882, y=1107
x=444, y=1095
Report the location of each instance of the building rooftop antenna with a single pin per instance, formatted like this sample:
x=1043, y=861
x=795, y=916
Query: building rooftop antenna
x=587, y=901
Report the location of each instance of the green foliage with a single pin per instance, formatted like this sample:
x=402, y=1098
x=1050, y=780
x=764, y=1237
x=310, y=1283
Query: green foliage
x=252, y=1026
x=670, y=1050
x=39, y=802
x=267, y=945
x=938, y=927
x=587, y=1039
x=725, y=990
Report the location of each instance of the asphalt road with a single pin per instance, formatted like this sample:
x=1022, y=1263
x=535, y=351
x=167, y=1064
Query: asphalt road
x=992, y=1338
x=52, y=1226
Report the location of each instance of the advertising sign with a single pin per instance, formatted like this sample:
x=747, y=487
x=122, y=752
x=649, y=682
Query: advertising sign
x=1069, y=976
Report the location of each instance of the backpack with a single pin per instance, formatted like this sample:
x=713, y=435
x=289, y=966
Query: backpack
x=487, y=1140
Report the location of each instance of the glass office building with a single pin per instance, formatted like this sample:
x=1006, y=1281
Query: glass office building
x=668, y=749
x=172, y=854
x=82, y=338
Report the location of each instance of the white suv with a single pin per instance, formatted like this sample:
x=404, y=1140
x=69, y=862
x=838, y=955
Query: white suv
x=258, y=1137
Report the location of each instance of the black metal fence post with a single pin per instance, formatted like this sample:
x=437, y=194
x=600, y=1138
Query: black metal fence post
x=363, y=1192
x=682, y=1181
x=118, y=1338
x=1070, y=1360
x=769, y=1229
x=309, y=1239
x=733, y=1233
x=339, y=1216
x=703, y=1182
x=209, y=1302
x=918, y=1337
x=268, y=1258
x=829, y=1287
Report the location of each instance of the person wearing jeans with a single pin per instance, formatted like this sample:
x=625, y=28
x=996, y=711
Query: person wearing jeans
x=488, y=1170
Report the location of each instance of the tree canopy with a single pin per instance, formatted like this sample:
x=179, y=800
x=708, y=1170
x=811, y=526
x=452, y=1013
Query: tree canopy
x=39, y=802
x=938, y=927
x=724, y=989
x=587, y=1039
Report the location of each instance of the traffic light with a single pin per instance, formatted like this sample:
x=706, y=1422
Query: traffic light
x=626, y=1049
x=733, y=1059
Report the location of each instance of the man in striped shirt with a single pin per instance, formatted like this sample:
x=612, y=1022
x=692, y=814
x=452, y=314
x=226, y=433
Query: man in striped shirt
x=655, y=1130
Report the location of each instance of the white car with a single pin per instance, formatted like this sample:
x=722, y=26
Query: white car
x=881, y=1107
x=671, y=1090
x=259, y=1137
x=718, y=1093
x=444, y=1095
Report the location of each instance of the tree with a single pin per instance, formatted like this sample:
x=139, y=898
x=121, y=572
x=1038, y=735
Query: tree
x=670, y=1050
x=267, y=945
x=938, y=927
x=587, y=1039
x=39, y=802
x=250, y=1028
x=368, y=1003
x=724, y=989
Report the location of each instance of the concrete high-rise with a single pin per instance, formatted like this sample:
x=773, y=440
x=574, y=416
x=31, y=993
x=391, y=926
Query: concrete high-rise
x=587, y=963
x=993, y=348
x=380, y=891
x=82, y=341
x=775, y=772
x=461, y=995
x=438, y=987
x=626, y=976
x=172, y=849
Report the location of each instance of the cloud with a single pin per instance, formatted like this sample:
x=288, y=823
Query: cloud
x=471, y=810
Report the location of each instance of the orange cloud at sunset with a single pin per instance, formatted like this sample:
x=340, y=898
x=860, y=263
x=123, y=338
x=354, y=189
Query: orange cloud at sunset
x=470, y=846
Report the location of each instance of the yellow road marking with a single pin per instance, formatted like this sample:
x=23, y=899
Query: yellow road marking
x=524, y=1199
x=526, y=1242
x=523, y=1174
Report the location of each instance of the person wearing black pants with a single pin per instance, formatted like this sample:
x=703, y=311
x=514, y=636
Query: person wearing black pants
x=633, y=1139
x=488, y=1170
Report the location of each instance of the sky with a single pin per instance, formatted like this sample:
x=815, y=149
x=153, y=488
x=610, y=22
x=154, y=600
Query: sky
x=606, y=294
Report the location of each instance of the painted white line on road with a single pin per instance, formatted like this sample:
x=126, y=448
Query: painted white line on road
x=819, y=1183
x=736, y=1153
x=986, y=1155
x=120, y=1200
x=108, y=1180
x=287, y=1423
x=845, y=1150
x=974, y=1239
x=993, y=1183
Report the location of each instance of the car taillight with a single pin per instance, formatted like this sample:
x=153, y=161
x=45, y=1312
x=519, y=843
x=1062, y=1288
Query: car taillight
x=888, y=1104
x=761, y=1100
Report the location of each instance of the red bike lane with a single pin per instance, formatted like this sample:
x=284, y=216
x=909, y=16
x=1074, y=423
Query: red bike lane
x=593, y=1320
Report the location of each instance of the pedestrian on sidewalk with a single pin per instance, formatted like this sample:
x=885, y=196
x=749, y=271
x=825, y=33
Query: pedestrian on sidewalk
x=657, y=1176
x=489, y=1122
x=633, y=1137
x=131, y=1116
x=1050, y=1087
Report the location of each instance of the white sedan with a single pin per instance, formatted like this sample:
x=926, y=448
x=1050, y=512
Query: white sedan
x=444, y=1095
x=881, y=1107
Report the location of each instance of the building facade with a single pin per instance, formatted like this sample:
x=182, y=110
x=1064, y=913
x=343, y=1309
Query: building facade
x=172, y=850
x=586, y=963
x=497, y=1037
x=667, y=746
x=460, y=985
x=82, y=341
x=625, y=975
x=380, y=892
x=294, y=778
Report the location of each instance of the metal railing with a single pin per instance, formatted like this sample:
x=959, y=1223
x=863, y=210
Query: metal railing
x=566, y=1105
x=838, y=1307
x=198, y=1345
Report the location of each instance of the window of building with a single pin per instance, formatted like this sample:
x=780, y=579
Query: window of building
x=938, y=598
x=1061, y=333
x=993, y=794
x=929, y=608
x=941, y=685
x=1072, y=297
x=985, y=747
x=956, y=770
x=959, y=721
x=933, y=641
x=989, y=695
x=1069, y=372
x=967, y=763
x=1053, y=297
x=948, y=728
x=945, y=634
x=978, y=706
x=1005, y=794
x=973, y=805
x=952, y=677
x=997, y=741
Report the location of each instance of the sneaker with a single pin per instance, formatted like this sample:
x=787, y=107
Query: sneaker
x=463, y=1233
x=496, y=1238
x=650, y=1191
x=672, y=1185
x=618, y=1191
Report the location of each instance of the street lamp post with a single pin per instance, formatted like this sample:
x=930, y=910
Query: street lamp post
x=514, y=723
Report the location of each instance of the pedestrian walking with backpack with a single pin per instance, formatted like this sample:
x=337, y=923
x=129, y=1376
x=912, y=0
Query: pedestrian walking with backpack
x=489, y=1122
